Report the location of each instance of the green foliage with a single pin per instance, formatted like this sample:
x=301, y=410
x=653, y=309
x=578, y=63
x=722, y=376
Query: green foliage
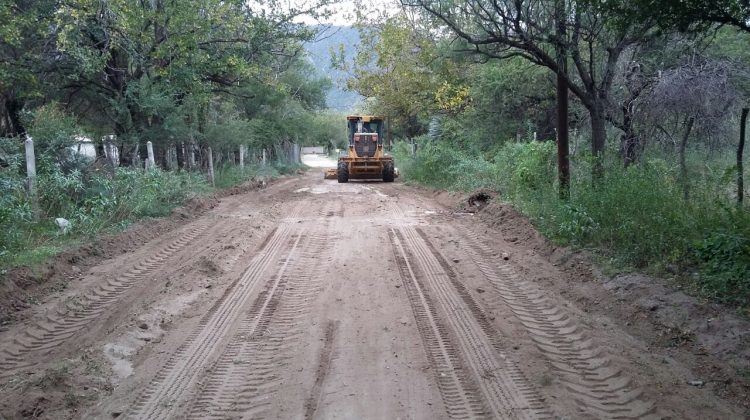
x=324, y=129
x=286, y=168
x=407, y=73
x=632, y=212
x=724, y=257
x=531, y=166
x=200, y=73
x=91, y=200
x=507, y=97
x=230, y=175
x=635, y=216
x=685, y=15
x=438, y=165
x=15, y=210
x=53, y=132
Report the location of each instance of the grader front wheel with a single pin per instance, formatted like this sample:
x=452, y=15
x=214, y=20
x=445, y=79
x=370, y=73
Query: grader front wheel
x=388, y=172
x=342, y=172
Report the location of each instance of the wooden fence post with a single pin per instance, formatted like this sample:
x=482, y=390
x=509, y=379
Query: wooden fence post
x=242, y=156
x=264, y=157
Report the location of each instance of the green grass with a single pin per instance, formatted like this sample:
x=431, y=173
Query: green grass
x=95, y=202
x=231, y=175
x=635, y=218
x=36, y=255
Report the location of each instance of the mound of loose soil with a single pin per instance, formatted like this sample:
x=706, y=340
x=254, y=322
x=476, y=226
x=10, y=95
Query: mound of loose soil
x=207, y=266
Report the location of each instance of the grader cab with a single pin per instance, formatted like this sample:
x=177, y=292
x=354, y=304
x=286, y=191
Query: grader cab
x=365, y=156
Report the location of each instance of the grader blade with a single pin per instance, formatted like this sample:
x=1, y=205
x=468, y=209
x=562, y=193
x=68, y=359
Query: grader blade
x=329, y=174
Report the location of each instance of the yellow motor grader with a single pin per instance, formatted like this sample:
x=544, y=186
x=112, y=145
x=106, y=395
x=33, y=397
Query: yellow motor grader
x=365, y=158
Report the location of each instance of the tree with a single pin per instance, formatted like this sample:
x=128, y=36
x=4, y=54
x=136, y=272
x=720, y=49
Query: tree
x=563, y=150
x=26, y=33
x=510, y=99
x=141, y=64
x=693, y=97
x=527, y=28
x=740, y=150
x=683, y=15
x=401, y=65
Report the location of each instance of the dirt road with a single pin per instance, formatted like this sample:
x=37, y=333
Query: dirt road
x=313, y=299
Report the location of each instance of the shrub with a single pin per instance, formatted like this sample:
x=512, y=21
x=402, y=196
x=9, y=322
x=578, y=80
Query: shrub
x=530, y=166
x=230, y=175
x=91, y=200
x=637, y=216
x=438, y=165
x=53, y=132
x=82, y=192
x=724, y=258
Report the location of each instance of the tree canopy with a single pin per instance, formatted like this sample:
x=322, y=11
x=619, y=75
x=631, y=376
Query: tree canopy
x=198, y=72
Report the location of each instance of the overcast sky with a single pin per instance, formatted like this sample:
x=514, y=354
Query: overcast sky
x=344, y=15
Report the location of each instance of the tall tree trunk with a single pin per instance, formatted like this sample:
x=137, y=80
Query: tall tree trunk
x=127, y=154
x=683, y=163
x=563, y=149
x=161, y=157
x=740, y=150
x=598, y=139
x=10, y=123
x=631, y=146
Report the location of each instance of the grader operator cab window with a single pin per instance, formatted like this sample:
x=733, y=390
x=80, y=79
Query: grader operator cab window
x=365, y=127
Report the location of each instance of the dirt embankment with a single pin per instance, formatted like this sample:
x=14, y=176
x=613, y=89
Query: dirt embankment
x=711, y=338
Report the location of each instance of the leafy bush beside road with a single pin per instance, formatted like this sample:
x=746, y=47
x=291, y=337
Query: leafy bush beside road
x=95, y=201
x=636, y=217
x=88, y=193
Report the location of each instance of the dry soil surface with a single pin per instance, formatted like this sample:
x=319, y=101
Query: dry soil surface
x=313, y=299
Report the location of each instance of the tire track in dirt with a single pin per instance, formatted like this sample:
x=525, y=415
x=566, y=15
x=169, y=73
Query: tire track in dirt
x=60, y=327
x=599, y=389
x=506, y=391
x=324, y=365
x=248, y=373
x=179, y=374
x=396, y=210
x=459, y=392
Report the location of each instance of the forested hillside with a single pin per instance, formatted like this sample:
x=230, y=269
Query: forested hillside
x=647, y=168
x=332, y=41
